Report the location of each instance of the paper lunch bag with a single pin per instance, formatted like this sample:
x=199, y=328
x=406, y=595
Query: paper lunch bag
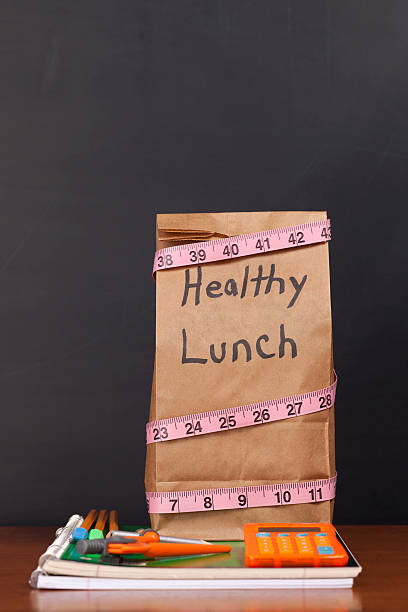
x=201, y=311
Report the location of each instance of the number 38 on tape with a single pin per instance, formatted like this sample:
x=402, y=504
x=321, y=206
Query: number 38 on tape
x=242, y=245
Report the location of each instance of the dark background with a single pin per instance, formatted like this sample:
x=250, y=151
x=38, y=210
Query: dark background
x=111, y=111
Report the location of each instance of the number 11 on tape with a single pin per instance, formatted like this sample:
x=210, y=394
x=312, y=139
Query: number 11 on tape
x=174, y=502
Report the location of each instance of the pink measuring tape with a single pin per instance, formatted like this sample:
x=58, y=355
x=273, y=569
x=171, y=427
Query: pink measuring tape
x=251, y=414
x=241, y=416
x=175, y=502
x=242, y=246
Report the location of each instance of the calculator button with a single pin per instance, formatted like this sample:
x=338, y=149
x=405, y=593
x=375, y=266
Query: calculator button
x=304, y=546
x=321, y=539
x=285, y=547
x=325, y=550
x=265, y=546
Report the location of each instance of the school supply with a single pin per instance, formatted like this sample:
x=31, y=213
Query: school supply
x=293, y=545
x=97, y=532
x=140, y=536
x=122, y=546
x=159, y=549
x=149, y=535
x=224, y=571
x=113, y=520
x=80, y=533
x=243, y=338
x=63, y=538
x=99, y=546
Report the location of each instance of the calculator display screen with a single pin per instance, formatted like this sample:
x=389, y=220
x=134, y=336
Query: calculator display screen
x=287, y=529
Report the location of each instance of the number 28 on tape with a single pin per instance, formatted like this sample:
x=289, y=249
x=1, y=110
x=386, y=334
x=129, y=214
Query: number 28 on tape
x=242, y=416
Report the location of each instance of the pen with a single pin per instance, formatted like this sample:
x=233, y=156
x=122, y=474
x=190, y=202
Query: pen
x=161, y=538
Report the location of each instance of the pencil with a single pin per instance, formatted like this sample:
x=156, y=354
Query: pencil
x=113, y=520
x=97, y=532
x=81, y=532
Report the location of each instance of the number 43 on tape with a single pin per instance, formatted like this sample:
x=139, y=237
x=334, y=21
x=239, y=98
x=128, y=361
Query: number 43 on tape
x=242, y=245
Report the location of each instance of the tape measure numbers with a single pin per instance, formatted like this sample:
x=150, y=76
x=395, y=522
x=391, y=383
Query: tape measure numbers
x=242, y=416
x=174, y=502
x=242, y=245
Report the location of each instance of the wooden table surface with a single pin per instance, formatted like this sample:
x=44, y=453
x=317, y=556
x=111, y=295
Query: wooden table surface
x=382, y=585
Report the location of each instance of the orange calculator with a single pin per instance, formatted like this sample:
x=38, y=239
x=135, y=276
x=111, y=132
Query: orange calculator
x=292, y=545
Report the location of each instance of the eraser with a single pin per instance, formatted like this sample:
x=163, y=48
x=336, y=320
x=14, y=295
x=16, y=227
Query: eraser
x=79, y=533
x=95, y=534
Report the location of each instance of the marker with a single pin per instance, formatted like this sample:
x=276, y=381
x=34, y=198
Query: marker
x=161, y=538
x=81, y=533
x=97, y=532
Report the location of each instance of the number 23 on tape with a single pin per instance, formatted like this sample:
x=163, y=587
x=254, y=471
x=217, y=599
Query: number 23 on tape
x=242, y=416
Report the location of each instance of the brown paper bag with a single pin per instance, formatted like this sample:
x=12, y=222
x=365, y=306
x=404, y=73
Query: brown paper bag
x=297, y=319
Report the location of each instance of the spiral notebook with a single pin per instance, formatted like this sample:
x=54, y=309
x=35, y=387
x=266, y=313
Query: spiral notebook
x=61, y=567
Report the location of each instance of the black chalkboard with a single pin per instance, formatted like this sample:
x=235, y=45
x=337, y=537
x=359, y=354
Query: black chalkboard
x=111, y=111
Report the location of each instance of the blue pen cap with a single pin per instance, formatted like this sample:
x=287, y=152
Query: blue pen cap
x=79, y=533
